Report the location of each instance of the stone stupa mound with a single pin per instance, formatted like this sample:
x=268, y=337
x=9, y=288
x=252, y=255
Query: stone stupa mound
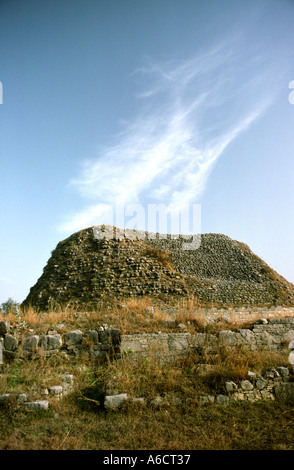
x=104, y=262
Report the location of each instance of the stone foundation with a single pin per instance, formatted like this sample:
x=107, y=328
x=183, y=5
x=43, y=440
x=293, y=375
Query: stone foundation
x=271, y=334
x=267, y=333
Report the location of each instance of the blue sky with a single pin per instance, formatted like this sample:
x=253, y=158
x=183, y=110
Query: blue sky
x=144, y=102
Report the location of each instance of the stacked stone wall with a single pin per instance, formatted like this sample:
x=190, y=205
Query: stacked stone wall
x=272, y=334
x=231, y=314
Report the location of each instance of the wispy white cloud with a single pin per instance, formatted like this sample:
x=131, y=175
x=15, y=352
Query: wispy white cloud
x=187, y=116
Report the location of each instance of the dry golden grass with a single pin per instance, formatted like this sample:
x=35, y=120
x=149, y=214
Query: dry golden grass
x=79, y=422
x=131, y=315
x=67, y=426
x=161, y=256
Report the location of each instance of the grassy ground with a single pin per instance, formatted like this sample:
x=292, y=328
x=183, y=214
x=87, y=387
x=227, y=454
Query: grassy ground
x=68, y=426
x=80, y=422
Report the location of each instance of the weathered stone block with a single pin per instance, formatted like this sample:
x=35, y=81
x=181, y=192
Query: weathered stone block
x=110, y=336
x=56, y=390
x=266, y=340
x=92, y=336
x=283, y=371
x=238, y=396
x=51, y=342
x=253, y=396
x=67, y=378
x=202, y=340
x=4, y=327
x=246, y=385
x=288, y=336
x=73, y=338
x=247, y=336
x=37, y=405
x=206, y=399
x=261, y=383
x=10, y=343
x=222, y=399
x=112, y=402
x=30, y=343
x=179, y=342
x=98, y=354
x=230, y=386
x=129, y=343
x=228, y=337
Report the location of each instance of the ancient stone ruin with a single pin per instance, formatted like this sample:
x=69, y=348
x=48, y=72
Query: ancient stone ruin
x=104, y=262
x=272, y=334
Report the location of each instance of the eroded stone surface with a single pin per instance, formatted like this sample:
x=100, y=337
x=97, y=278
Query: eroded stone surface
x=85, y=268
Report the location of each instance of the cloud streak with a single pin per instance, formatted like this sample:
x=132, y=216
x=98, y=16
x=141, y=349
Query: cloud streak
x=188, y=113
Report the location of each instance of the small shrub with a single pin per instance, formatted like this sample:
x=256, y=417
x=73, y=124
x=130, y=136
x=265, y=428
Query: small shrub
x=161, y=256
x=10, y=306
